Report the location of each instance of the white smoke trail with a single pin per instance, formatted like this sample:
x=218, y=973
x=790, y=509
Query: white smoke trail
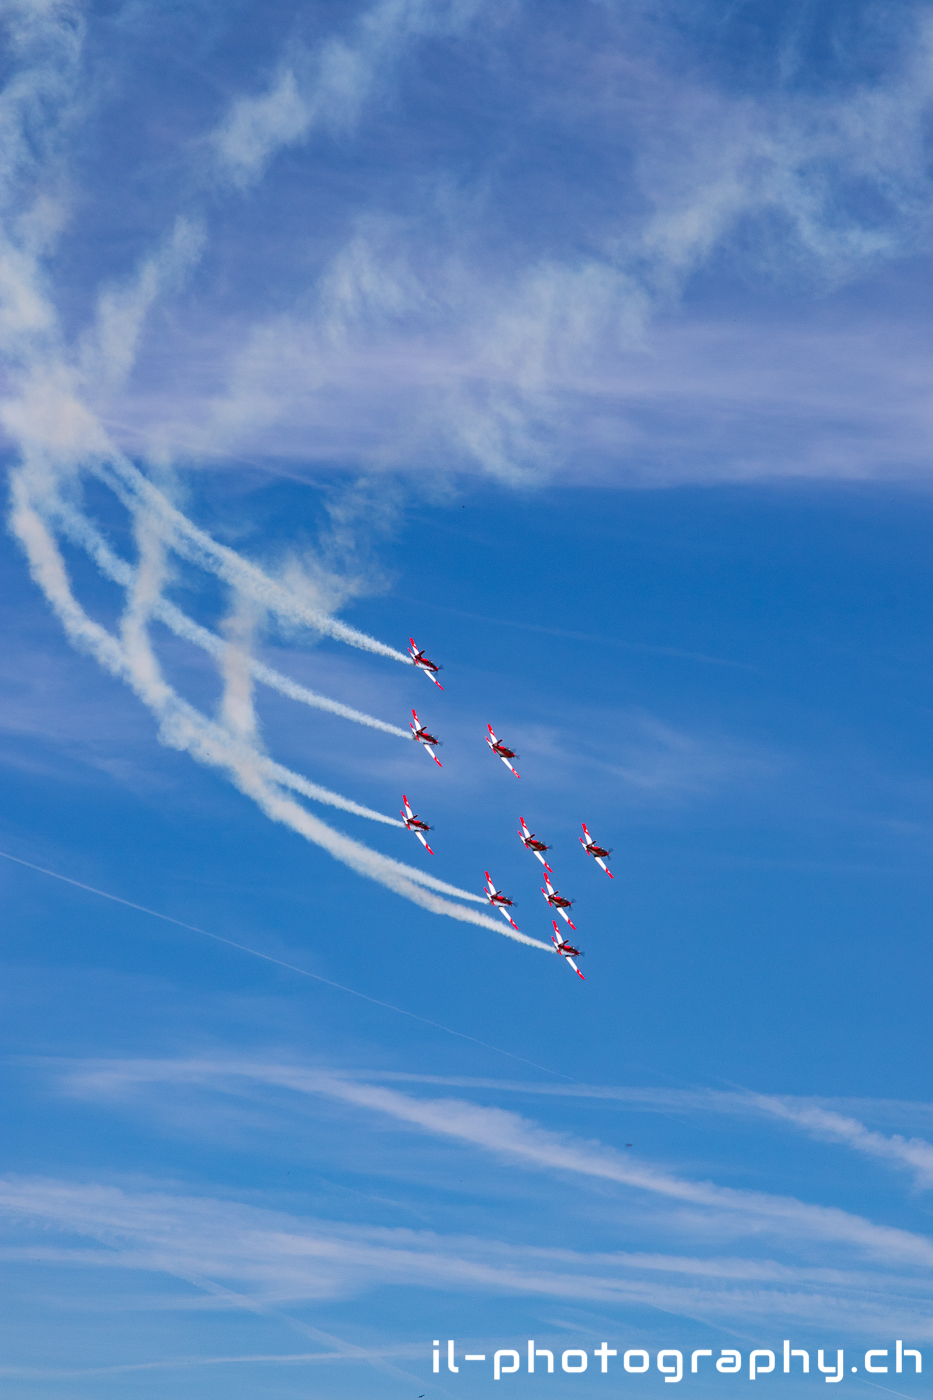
x=236, y=706
x=183, y=536
x=79, y=529
x=124, y=574
x=184, y=728
x=82, y=531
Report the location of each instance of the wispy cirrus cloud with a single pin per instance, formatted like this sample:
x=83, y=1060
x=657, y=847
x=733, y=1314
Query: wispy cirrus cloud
x=242, y=1256
x=518, y=367
x=328, y=86
x=451, y=316
x=821, y=1119
x=912, y=1154
x=517, y=1139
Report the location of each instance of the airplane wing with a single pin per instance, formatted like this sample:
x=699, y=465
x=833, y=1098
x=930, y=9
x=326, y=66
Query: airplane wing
x=564, y=915
x=556, y=940
x=600, y=860
x=408, y=811
x=434, y=755
x=525, y=832
x=492, y=735
x=509, y=766
x=508, y=917
x=423, y=842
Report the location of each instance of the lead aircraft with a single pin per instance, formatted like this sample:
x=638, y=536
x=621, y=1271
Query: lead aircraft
x=500, y=750
x=499, y=901
x=599, y=853
x=566, y=950
x=532, y=844
x=415, y=824
x=430, y=668
x=558, y=902
x=421, y=736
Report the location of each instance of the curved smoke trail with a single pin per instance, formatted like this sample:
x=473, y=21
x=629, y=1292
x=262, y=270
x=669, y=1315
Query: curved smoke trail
x=227, y=747
x=83, y=532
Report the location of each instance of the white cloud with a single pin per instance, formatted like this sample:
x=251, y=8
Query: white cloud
x=821, y=1120
x=108, y=350
x=913, y=1154
x=516, y=1139
x=249, y=1257
x=430, y=340
x=519, y=370
x=327, y=88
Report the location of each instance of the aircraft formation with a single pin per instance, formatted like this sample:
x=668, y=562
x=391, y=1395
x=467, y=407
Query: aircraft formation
x=556, y=901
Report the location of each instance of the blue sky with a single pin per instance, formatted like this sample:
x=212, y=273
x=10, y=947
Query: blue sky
x=590, y=346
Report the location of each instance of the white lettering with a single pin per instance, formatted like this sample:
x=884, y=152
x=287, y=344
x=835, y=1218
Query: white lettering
x=729, y=1361
x=754, y=1365
x=693, y=1359
x=878, y=1370
x=804, y=1355
x=532, y=1353
x=498, y=1369
x=565, y=1362
x=671, y=1374
x=604, y=1353
x=636, y=1369
x=450, y=1358
x=832, y=1373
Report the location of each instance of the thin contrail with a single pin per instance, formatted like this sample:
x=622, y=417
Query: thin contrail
x=279, y=962
x=651, y=648
x=81, y=531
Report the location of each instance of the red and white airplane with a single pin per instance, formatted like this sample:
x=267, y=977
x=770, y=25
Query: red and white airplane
x=599, y=853
x=421, y=736
x=500, y=750
x=415, y=824
x=499, y=901
x=421, y=661
x=566, y=950
x=532, y=844
x=558, y=902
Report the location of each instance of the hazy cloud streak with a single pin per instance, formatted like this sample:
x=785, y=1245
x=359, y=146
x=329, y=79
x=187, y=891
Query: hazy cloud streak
x=521, y=1140
x=246, y=1256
